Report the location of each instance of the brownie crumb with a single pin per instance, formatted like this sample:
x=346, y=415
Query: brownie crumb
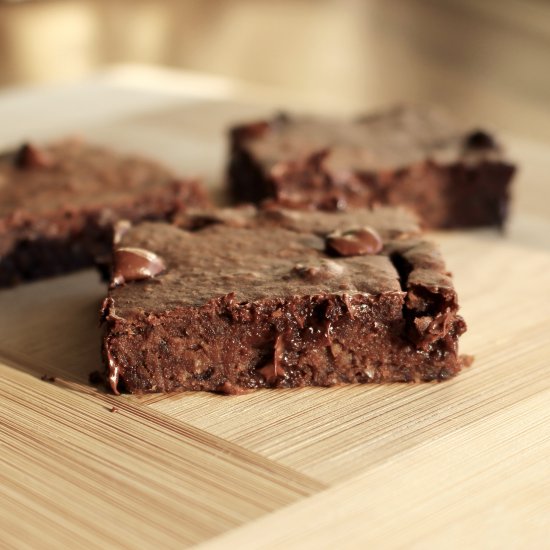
x=48, y=378
x=114, y=409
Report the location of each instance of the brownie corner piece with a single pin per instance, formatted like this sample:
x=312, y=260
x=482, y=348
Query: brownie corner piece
x=406, y=155
x=236, y=300
x=59, y=203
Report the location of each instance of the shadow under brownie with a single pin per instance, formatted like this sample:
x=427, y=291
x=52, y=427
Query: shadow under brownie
x=241, y=299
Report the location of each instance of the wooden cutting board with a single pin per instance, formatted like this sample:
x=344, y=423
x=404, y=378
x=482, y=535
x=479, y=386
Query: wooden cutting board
x=461, y=464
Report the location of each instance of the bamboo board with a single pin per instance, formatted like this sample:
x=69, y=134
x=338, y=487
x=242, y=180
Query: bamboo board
x=459, y=464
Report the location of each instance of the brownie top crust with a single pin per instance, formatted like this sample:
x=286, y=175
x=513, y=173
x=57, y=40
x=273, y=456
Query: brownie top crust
x=73, y=174
x=386, y=140
x=389, y=222
x=246, y=255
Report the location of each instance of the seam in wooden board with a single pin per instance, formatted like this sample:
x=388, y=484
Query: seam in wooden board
x=504, y=392
x=513, y=457
x=527, y=386
x=179, y=425
x=205, y=439
x=373, y=463
x=26, y=395
x=198, y=436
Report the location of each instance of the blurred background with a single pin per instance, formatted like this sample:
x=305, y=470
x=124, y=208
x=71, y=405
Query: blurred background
x=486, y=60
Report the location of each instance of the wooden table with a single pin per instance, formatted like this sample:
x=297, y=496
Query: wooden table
x=462, y=464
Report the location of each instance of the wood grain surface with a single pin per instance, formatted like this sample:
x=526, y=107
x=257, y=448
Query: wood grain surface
x=461, y=464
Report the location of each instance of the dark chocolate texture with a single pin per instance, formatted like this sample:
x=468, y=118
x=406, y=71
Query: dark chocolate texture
x=252, y=299
x=416, y=157
x=58, y=204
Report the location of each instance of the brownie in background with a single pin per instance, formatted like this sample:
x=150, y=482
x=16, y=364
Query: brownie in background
x=58, y=204
x=409, y=156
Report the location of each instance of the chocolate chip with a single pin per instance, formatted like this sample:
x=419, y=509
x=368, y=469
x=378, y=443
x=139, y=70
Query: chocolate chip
x=354, y=242
x=30, y=156
x=135, y=264
x=480, y=140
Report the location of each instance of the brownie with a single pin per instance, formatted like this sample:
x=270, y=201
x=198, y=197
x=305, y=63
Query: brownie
x=411, y=156
x=241, y=299
x=58, y=204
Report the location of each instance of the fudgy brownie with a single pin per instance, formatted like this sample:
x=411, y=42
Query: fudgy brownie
x=58, y=204
x=236, y=300
x=414, y=157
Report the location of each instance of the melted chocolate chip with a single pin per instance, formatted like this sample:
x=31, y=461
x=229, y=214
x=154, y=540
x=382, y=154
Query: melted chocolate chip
x=480, y=140
x=30, y=156
x=354, y=242
x=135, y=264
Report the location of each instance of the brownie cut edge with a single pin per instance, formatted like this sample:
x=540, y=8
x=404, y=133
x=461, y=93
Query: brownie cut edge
x=235, y=300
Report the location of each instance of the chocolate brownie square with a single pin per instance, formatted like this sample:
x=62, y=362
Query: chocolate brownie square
x=58, y=204
x=415, y=157
x=240, y=299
